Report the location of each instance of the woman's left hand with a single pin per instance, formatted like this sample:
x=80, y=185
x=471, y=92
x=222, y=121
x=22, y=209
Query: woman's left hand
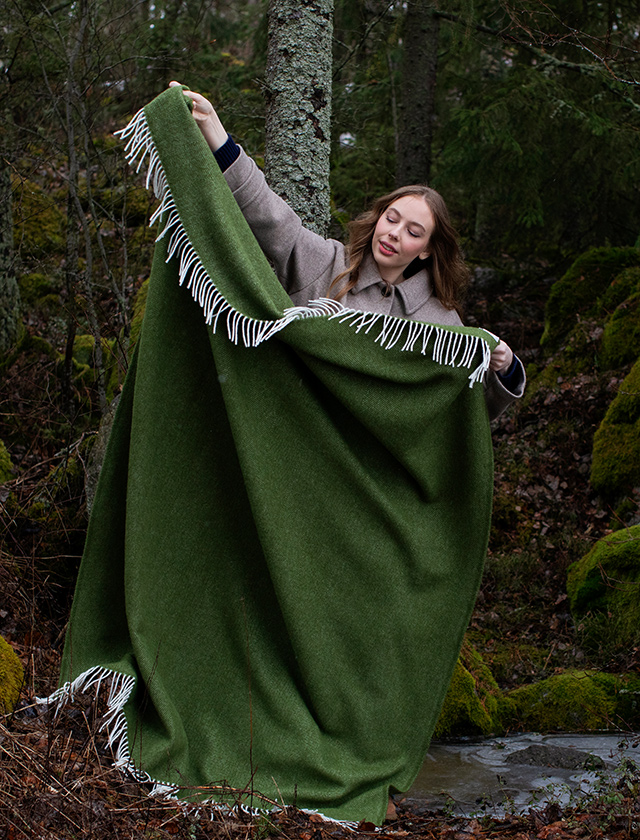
x=501, y=358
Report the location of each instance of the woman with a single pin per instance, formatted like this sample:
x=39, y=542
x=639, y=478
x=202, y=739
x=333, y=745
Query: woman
x=403, y=257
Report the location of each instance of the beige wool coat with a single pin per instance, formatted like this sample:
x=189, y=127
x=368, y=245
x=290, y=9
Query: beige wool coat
x=305, y=264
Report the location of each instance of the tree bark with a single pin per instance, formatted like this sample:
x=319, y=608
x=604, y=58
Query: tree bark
x=298, y=121
x=417, y=106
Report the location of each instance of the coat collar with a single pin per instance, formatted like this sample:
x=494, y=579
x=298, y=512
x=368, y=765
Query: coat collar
x=414, y=292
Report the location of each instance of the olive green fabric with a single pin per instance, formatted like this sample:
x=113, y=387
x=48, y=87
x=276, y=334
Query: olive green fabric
x=287, y=539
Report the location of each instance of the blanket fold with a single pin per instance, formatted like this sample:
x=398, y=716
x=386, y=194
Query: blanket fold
x=290, y=525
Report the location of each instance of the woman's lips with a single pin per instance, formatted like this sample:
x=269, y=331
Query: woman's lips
x=387, y=249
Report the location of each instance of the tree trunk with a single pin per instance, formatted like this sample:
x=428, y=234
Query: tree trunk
x=418, y=89
x=9, y=294
x=298, y=125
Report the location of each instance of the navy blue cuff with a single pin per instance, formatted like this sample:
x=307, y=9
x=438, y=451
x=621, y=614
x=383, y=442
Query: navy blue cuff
x=511, y=378
x=227, y=154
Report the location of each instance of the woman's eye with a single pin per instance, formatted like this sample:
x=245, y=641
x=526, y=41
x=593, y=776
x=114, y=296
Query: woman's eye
x=414, y=234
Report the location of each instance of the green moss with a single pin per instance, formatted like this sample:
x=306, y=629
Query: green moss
x=622, y=286
x=615, y=467
x=38, y=290
x=570, y=702
x=11, y=677
x=471, y=704
x=6, y=466
x=581, y=290
x=83, y=347
x=84, y=363
x=38, y=223
x=621, y=337
x=607, y=581
x=129, y=202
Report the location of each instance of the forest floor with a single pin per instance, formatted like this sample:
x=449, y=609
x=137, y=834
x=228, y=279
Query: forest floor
x=56, y=776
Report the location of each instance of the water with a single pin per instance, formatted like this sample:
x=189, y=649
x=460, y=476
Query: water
x=474, y=777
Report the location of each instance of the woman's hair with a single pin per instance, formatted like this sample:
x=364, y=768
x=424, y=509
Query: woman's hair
x=448, y=272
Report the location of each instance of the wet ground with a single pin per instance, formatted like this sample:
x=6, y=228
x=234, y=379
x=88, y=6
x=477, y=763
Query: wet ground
x=495, y=775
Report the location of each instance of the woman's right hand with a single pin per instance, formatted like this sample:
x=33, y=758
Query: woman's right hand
x=207, y=119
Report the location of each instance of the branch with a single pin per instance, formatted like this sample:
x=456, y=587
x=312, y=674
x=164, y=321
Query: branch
x=362, y=40
x=546, y=57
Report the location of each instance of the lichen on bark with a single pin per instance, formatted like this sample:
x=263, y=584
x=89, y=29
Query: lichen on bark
x=298, y=119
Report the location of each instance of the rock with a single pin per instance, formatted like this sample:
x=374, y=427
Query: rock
x=576, y=701
x=580, y=290
x=11, y=677
x=621, y=338
x=615, y=467
x=6, y=467
x=539, y=755
x=590, y=586
x=471, y=705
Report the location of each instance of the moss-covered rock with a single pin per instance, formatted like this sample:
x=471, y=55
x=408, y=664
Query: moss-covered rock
x=571, y=702
x=130, y=202
x=84, y=363
x=6, y=467
x=621, y=338
x=40, y=291
x=615, y=467
x=623, y=285
x=38, y=223
x=11, y=677
x=607, y=580
x=581, y=290
x=471, y=704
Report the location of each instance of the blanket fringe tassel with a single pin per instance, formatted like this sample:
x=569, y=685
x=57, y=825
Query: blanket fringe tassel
x=449, y=347
x=119, y=688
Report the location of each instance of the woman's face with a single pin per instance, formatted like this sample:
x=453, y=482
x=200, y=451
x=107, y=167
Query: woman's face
x=402, y=234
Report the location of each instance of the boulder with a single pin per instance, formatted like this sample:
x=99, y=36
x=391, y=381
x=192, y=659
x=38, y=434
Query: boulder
x=543, y=755
x=571, y=702
x=615, y=468
x=11, y=677
x=6, y=466
x=607, y=580
x=580, y=292
x=471, y=704
x=620, y=342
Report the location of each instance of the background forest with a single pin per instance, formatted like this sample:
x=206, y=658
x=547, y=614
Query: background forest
x=526, y=117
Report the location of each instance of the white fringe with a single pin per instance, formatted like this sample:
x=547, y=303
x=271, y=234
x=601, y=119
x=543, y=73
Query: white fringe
x=120, y=687
x=450, y=348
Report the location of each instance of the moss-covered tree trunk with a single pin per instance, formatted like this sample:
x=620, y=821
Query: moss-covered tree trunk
x=9, y=294
x=421, y=31
x=298, y=127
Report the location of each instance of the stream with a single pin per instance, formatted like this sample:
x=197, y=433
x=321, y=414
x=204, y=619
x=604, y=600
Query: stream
x=510, y=774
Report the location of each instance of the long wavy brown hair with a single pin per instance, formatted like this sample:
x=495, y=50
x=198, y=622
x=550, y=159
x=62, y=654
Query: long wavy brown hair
x=445, y=264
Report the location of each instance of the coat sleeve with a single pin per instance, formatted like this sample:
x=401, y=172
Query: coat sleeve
x=497, y=396
x=301, y=259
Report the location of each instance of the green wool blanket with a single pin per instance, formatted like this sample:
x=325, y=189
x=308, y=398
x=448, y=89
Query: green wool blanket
x=290, y=524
